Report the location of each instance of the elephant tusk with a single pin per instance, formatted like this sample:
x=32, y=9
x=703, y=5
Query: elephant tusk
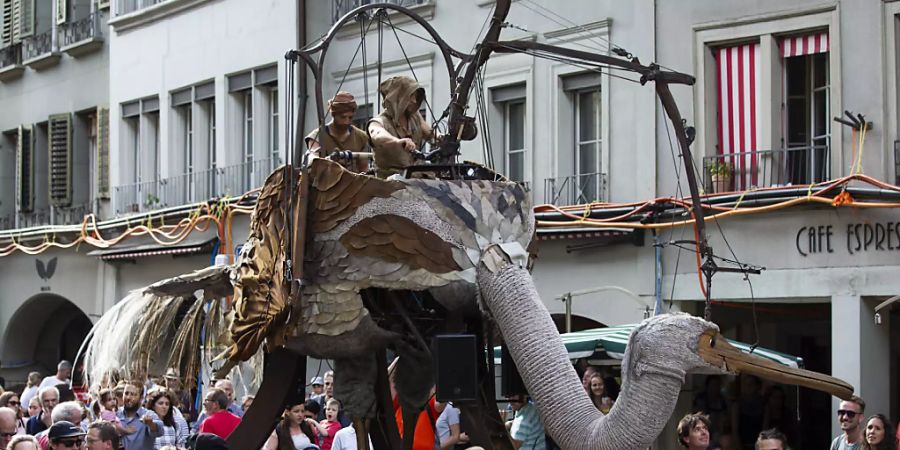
x=716, y=350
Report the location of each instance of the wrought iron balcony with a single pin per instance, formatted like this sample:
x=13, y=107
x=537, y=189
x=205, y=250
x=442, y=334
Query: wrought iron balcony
x=191, y=187
x=82, y=35
x=11, y=62
x=341, y=7
x=38, y=51
x=575, y=189
x=767, y=168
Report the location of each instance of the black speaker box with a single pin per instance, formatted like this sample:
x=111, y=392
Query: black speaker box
x=456, y=367
x=510, y=381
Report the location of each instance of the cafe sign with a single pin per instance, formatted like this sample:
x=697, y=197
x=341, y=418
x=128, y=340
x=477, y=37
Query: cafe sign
x=856, y=237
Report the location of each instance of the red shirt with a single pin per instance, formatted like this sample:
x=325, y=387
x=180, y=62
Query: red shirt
x=220, y=424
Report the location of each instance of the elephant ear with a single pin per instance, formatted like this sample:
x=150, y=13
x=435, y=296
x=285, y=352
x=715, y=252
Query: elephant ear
x=51, y=267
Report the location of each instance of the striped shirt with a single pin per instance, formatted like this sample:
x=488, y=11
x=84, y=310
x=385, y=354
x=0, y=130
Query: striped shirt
x=527, y=428
x=176, y=435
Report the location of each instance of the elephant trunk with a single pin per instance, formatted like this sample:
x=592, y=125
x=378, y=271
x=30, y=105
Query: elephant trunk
x=567, y=413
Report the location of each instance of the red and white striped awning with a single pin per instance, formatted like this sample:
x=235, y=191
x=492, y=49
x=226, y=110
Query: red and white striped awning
x=807, y=44
x=738, y=89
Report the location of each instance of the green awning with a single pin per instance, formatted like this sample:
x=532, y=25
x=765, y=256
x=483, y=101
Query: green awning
x=610, y=343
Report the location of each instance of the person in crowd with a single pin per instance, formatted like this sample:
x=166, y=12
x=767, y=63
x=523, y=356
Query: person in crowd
x=102, y=435
x=49, y=397
x=10, y=400
x=246, y=401
x=771, y=439
x=311, y=409
x=106, y=406
x=206, y=441
x=227, y=387
x=448, y=429
x=850, y=413
x=589, y=371
x=65, y=435
x=777, y=414
x=24, y=442
x=345, y=439
x=598, y=395
x=318, y=387
x=712, y=403
x=327, y=393
x=331, y=423
x=63, y=373
x=220, y=421
x=747, y=412
x=526, y=429
x=693, y=431
x=400, y=130
x=340, y=134
x=185, y=404
x=878, y=434
x=31, y=387
x=8, y=420
x=71, y=412
x=34, y=407
x=141, y=426
x=175, y=428
x=295, y=431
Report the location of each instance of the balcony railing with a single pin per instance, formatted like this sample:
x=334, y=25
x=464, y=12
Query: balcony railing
x=129, y=6
x=11, y=56
x=767, y=168
x=341, y=7
x=575, y=189
x=81, y=30
x=191, y=188
x=37, y=45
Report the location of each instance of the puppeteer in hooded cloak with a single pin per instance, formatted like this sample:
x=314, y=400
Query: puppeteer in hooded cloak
x=400, y=129
x=340, y=134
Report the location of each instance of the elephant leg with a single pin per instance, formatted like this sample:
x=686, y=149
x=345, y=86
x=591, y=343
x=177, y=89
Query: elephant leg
x=354, y=385
x=284, y=372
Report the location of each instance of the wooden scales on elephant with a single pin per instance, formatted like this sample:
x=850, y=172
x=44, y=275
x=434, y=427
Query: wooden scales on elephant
x=343, y=266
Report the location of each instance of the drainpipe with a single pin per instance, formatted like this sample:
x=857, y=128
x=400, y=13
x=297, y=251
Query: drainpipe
x=301, y=80
x=657, y=248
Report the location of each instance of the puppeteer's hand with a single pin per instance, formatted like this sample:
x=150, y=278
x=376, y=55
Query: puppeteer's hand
x=408, y=144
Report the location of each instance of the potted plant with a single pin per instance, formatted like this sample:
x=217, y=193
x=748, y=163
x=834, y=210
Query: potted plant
x=720, y=173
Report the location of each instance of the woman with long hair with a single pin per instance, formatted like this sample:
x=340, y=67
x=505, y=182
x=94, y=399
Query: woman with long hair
x=295, y=431
x=175, y=429
x=31, y=388
x=879, y=434
x=597, y=393
x=10, y=400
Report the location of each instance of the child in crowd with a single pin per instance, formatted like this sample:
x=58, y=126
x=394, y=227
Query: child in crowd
x=105, y=408
x=331, y=423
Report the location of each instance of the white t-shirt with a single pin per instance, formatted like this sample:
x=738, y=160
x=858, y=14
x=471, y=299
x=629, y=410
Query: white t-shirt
x=51, y=381
x=345, y=439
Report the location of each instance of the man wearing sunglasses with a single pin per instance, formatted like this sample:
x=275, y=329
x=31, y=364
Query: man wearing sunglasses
x=66, y=436
x=851, y=413
x=7, y=426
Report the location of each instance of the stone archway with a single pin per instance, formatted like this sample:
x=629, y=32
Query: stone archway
x=44, y=330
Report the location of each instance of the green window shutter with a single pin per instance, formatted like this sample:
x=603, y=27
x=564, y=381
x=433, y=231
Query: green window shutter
x=60, y=146
x=102, y=152
x=24, y=170
x=61, y=11
x=26, y=18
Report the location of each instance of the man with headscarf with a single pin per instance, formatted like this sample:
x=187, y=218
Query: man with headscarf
x=340, y=134
x=400, y=129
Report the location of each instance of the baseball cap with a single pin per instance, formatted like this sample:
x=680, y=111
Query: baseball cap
x=64, y=429
x=316, y=380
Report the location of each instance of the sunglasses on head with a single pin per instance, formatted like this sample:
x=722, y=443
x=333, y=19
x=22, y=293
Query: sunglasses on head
x=70, y=442
x=849, y=414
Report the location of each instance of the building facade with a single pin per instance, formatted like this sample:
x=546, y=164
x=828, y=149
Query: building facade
x=172, y=103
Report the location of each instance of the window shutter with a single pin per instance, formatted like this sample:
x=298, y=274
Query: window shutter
x=60, y=131
x=7, y=22
x=24, y=170
x=26, y=18
x=103, y=153
x=61, y=11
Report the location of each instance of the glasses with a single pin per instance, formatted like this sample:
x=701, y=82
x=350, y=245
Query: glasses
x=849, y=414
x=70, y=442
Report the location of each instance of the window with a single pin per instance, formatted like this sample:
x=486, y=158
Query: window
x=140, y=142
x=247, y=136
x=587, y=145
x=273, y=128
x=807, y=131
x=511, y=103
x=362, y=116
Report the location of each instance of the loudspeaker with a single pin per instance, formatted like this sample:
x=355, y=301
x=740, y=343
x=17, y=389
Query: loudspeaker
x=455, y=367
x=510, y=381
